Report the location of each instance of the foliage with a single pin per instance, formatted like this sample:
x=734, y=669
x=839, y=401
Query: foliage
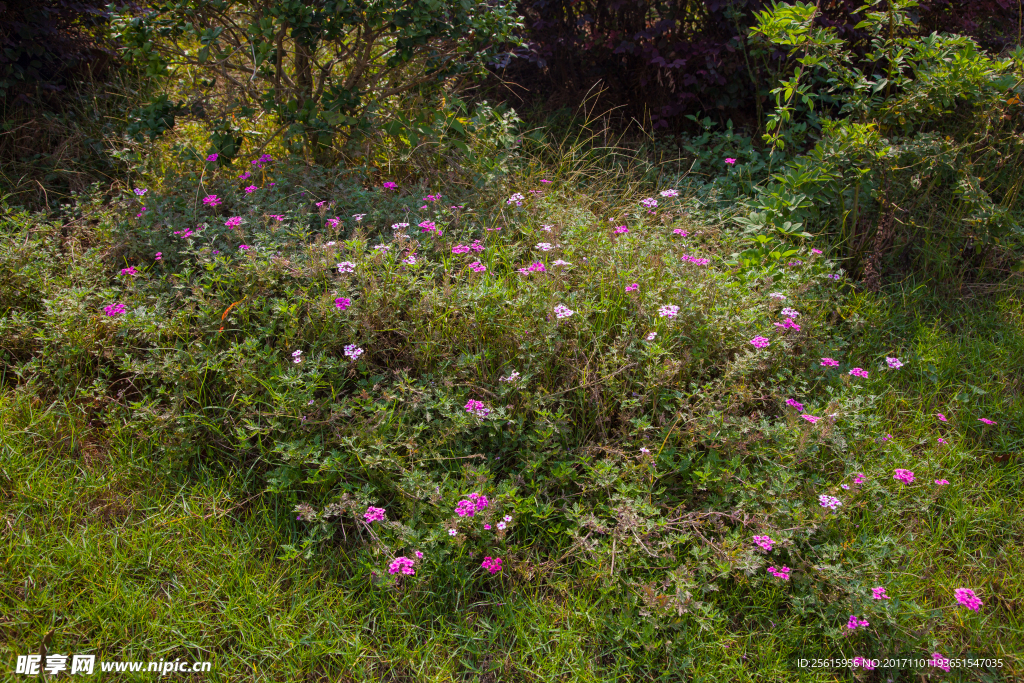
x=320, y=69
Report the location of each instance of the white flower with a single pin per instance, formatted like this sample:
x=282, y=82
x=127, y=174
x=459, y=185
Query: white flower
x=452, y=532
x=651, y=336
x=560, y=262
x=669, y=193
x=668, y=311
x=353, y=351
x=511, y=378
x=346, y=267
x=563, y=311
x=543, y=246
x=399, y=226
x=789, y=312
x=359, y=216
x=777, y=296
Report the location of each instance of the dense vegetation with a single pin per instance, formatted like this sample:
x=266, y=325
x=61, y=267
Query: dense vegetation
x=347, y=372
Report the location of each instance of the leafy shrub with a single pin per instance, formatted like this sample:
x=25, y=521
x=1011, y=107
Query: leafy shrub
x=319, y=69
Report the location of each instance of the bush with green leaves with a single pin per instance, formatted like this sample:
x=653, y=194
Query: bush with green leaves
x=320, y=69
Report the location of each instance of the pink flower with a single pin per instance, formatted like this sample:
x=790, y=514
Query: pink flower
x=563, y=311
x=830, y=502
x=621, y=230
x=939, y=661
x=780, y=572
x=941, y=482
x=130, y=270
x=114, y=309
x=730, y=161
x=893, y=363
x=477, y=408
x=487, y=527
x=859, y=479
x=332, y=222
x=246, y=175
x=352, y=351
x=650, y=202
x=788, y=324
x=816, y=251
x=792, y=402
x=342, y=303
x=460, y=249
x=906, y=476
x=419, y=554
x=967, y=598
x=986, y=420
x=813, y=419
x=233, y=222
x=859, y=372
x=212, y=157
x=855, y=623
x=244, y=247
x=669, y=193
x=764, y=541
x=373, y=514
x=346, y=267
x=760, y=342
x=159, y=256
x=942, y=418
x=390, y=185
x=829, y=363
x=465, y=508
x=477, y=267
x=878, y=593
x=211, y=201
x=668, y=311
x=941, y=440
x=251, y=189
x=545, y=181
x=491, y=564
x=402, y=565
x=863, y=662
x=680, y=232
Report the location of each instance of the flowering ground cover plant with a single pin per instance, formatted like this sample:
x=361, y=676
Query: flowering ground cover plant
x=458, y=437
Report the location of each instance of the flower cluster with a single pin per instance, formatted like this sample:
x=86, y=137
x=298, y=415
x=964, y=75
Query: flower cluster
x=563, y=311
x=342, y=303
x=633, y=287
x=560, y=262
x=760, y=342
x=536, y=267
x=543, y=246
x=477, y=408
x=967, y=598
x=878, y=593
x=830, y=502
x=622, y=230
x=829, y=363
x=668, y=311
x=764, y=541
x=114, y=309
x=859, y=372
x=346, y=267
x=516, y=199
x=893, y=363
x=474, y=503
x=906, y=476
x=780, y=572
x=402, y=565
x=233, y=222
x=697, y=261
x=650, y=202
x=513, y=376
x=491, y=564
x=793, y=403
x=352, y=351
x=788, y=324
x=789, y=312
x=130, y=270
x=669, y=193
x=813, y=419
x=389, y=185
x=297, y=356
x=855, y=623
x=373, y=514
x=477, y=267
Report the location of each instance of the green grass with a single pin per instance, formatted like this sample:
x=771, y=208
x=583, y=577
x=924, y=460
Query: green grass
x=152, y=465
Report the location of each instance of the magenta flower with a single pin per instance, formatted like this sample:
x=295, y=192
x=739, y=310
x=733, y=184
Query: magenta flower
x=829, y=363
x=680, y=232
x=233, y=222
x=941, y=482
x=650, y=202
x=246, y=175
x=621, y=230
x=477, y=267
x=633, y=287
x=669, y=193
x=942, y=418
x=942, y=441
x=419, y=555
x=986, y=420
x=545, y=181
x=813, y=419
x=894, y=363
x=159, y=256
x=764, y=541
x=460, y=249
x=140, y=191
x=465, y=508
x=244, y=247
x=792, y=402
x=859, y=479
x=563, y=311
x=211, y=201
x=878, y=593
x=816, y=251
x=864, y=662
x=373, y=514
x=788, y=324
x=855, y=623
x=477, y=408
x=780, y=572
x=695, y=260
x=730, y=161
x=352, y=351
x=114, y=309
x=967, y=598
x=939, y=661
x=859, y=372
x=402, y=565
x=479, y=500
x=760, y=342
x=346, y=267
x=342, y=303
x=390, y=185
x=251, y=189
x=212, y=157
x=130, y=270
x=906, y=476
x=491, y=564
